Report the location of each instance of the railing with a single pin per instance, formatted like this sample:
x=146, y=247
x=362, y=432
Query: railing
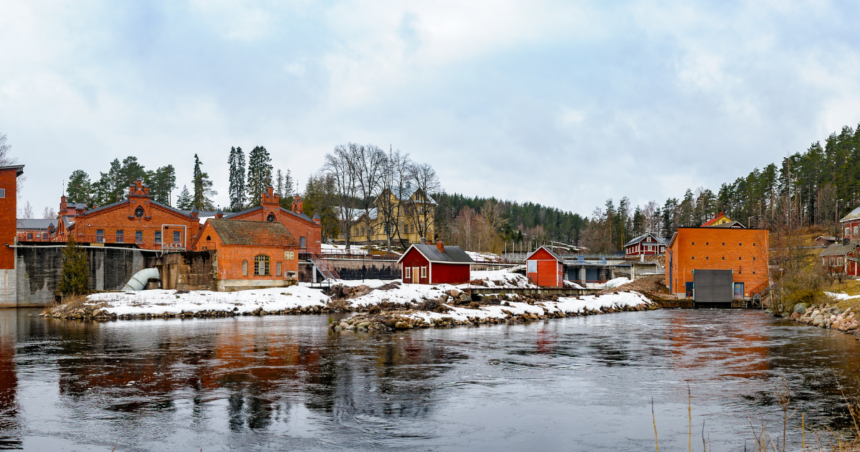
x=34, y=237
x=323, y=265
x=357, y=256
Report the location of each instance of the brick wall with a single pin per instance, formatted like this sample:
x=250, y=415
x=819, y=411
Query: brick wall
x=122, y=218
x=297, y=226
x=8, y=217
x=745, y=251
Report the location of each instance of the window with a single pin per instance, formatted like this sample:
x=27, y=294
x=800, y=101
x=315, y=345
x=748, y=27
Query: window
x=278, y=270
x=303, y=242
x=739, y=258
x=532, y=267
x=753, y=259
x=29, y=236
x=177, y=236
x=290, y=255
x=694, y=257
x=208, y=237
x=408, y=272
x=100, y=235
x=694, y=243
x=138, y=212
x=707, y=243
x=158, y=237
x=839, y=261
x=2, y=192
x=724, y=257
x=244, y=268
x=847, y=231
x=724, y=243
x=138, y=236
x=707, y=258
x=423, y=272
x=261, y=265
x=270, y=218
x=855, y=230
x=119, y=236
x=740, y=244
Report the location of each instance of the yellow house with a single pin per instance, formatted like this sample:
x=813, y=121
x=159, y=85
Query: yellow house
x=721, y=220
x=408, y=214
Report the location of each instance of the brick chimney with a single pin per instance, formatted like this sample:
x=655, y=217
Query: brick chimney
x=219, y=214
x=195, y=213
x=317, y=219
x=298, y=205
x=440, y=245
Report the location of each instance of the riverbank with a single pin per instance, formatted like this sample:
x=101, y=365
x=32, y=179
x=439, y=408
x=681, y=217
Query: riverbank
x=829, y=315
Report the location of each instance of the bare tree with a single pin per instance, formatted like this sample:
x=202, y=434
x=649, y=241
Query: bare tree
x=369, y=162
x=394, y=175
x=340, y=166
x=421, y=206
x=49, y=213
x=6, y=159
x=652, y=217
x=27, y=211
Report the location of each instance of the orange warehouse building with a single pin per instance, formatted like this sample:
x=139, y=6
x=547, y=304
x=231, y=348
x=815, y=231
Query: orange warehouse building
x=717, y=264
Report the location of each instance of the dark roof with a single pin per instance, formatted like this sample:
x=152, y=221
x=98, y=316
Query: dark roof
x=556, y=256
x=106, y=206
x=837, y=249
x=29, y=223
x=262, y=233
x=19, y=168
x=452, y=254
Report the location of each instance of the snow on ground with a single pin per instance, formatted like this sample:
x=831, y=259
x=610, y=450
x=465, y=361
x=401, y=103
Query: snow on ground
x=405, y=293
x=341, y=249
x=613, y=283
x=483, y=257
x=572, y=284
x=500, y=278
x=841, y=296
x=566, y=305
x=161, y=301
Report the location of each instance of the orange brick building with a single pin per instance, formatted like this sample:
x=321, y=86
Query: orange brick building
x=738, y=255
x=250, y=254
x=306, y=231
x=137, y=220
x=8, y=229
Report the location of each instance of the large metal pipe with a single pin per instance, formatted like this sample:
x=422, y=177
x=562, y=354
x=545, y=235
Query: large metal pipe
x=139, y=280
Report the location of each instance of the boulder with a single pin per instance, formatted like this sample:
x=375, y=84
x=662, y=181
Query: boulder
x=800, y=308
x=453, y=293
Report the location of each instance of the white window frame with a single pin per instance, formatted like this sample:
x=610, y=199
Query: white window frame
x=408, y=273
x=532, y=267
x=838, y=261
x=847, y=231
x=423, y=272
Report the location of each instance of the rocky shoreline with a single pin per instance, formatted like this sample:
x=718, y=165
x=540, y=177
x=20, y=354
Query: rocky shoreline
x=393, y=321
x=827, y=316
x=98, y=313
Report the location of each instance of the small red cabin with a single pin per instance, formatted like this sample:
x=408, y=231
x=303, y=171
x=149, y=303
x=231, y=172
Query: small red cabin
x=545, y=268
x=435, y=264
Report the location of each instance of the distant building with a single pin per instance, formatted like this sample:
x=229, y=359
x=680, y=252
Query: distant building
x=36, y=230
x=545, y=268
x=851, y=225
x=825, y=240
x=435, y=264
x=717, y=264
x=646, y=244
x=720, y=220
x=409, y=210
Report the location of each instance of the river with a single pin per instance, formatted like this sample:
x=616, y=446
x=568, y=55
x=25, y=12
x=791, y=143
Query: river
x=287, y=383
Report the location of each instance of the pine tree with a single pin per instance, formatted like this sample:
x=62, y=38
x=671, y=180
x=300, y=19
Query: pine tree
x=259, y=174
x=202, y=187
x=185, y=201
x=237, y=179
x=79, y=188
x=75, y=278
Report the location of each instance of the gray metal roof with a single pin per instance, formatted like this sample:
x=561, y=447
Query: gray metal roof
x=452, y=254
x=837, y=249
x=853, y=215
x=30, y=223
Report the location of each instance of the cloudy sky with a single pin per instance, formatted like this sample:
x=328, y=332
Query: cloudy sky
x=563, y=103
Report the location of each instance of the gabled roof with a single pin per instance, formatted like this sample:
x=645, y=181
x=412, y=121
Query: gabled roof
x=716, y=218
x=837, y=249
x=643, y=237
x=556, y=256
x=733, y=224
x=30, y=223
x=853, y=215
x=452, y=254
x=406, y=193
x=260, y=233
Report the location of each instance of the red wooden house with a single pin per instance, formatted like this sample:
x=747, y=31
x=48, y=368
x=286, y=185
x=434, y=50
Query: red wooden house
x=545, y=268
x=439, y=264
x=645, y=245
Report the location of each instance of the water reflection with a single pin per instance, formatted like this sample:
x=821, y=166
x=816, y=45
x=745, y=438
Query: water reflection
x=287, y=382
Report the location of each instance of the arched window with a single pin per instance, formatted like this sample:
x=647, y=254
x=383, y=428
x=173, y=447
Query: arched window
x=208, y=237
x=261, y=265
x=138, y=212
x=270, y=218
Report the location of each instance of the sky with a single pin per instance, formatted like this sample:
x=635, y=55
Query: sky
x=563, y=103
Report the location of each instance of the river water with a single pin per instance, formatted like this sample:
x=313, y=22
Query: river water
x=287, y=383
